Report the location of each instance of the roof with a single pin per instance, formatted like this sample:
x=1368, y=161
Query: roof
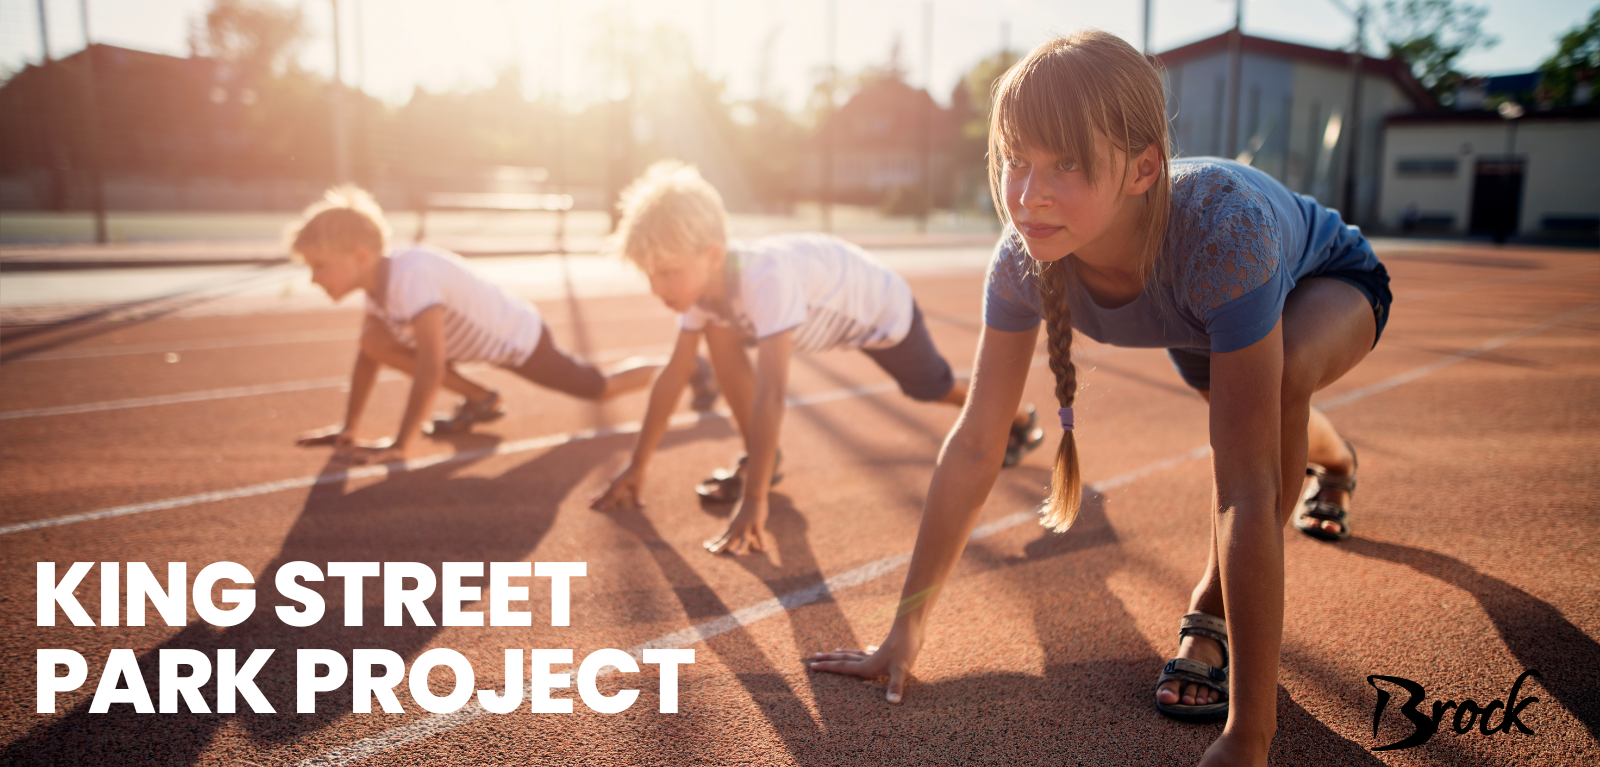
x=1394, y=69
x=1446, y=116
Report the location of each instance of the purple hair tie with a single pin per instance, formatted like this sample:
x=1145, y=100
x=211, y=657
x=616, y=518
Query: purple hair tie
x=1066, y=418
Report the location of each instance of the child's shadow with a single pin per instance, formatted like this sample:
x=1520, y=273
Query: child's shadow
x=430, y=515
x=1535, y=631
x=818, y=623
x=1093, y=698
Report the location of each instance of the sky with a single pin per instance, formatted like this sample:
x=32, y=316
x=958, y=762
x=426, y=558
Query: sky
x=393, y=46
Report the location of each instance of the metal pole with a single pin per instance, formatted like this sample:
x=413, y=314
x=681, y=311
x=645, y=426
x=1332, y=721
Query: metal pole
x=97, y=189
x=341, y=149
x=927, y=117
x=1235, y=64
x=363, y=137
x=828, y=129
x=1146, y=28
x=561, y=126
x=50, y=116
x=44, y=33
x=1353, y=151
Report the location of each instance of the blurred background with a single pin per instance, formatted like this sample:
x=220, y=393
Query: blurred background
x=497, y=127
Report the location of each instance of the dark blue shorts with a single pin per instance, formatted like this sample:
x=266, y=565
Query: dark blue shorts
x=1194, y=365
x=914, y=363
x=552, y=367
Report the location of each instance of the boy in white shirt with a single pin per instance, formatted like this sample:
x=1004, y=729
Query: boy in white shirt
x=803, y=292
x=427, y=311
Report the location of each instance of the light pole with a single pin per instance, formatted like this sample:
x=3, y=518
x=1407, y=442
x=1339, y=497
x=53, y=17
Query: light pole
x=1146, y=48
x=1352, y=153
x=927, y=116
x=828, y=118
x=1235, y=64
x=341, y=152
x=97, y=184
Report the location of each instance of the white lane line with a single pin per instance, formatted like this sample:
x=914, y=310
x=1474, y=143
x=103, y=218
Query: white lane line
x=1461, y=356
x=505, y=448
x=253, y=391
x=325, y=383
x=194, y=396
x=273, y=339
x=397, y=737
x=1491, y=282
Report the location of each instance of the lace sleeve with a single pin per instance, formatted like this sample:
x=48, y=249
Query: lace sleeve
x=1011, y=290
x=1232, y=238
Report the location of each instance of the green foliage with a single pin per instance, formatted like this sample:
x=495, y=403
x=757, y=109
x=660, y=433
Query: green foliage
x=1576, y=59
x=1430, y=35
x=260, y=37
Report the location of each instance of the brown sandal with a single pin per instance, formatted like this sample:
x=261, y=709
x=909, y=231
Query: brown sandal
x=1314, y=511
x=1195, y=672
x=727, y=485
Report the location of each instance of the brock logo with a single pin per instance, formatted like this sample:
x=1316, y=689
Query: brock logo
x=1467, y=712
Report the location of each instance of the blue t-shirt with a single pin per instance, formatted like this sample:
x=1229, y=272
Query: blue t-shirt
x=1237, y=242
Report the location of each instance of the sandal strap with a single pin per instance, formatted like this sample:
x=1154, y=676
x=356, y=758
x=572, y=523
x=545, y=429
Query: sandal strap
x=1345, y=482
x=1210, y=626
x=1185, y=670
x=1204, y=624
x=1319, y=509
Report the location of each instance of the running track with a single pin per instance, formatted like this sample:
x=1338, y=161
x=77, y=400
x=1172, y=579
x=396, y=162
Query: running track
x=1474, y=559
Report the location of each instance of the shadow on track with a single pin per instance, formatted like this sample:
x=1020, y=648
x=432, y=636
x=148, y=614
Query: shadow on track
x=1093, y=700
x=1535, y=631
x=51, y=335
x=817, y=625
x=431, y=515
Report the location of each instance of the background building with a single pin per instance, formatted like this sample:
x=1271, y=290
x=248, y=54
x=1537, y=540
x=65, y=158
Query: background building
x=1294, y=112
x=1477, y=172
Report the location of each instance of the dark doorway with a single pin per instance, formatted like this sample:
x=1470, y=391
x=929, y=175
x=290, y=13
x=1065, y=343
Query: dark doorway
x=1497, y=197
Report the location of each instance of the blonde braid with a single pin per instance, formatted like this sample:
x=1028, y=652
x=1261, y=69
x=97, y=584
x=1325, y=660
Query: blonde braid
x=1066, y=486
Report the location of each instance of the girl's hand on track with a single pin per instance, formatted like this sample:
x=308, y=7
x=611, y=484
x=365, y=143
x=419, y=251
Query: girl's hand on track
x=372, y=454
x=893, y=659
x=744, y=533
x=331, y=435
x=624, y=492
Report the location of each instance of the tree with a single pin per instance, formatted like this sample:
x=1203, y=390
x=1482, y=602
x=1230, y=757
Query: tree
x=1430, y=35
x=1575, y=61
x=257, y=36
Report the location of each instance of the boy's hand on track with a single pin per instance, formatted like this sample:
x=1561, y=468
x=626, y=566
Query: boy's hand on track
x=624, y=492
x=894, y=659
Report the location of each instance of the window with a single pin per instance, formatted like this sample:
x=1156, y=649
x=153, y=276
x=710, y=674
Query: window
x=1427, y=167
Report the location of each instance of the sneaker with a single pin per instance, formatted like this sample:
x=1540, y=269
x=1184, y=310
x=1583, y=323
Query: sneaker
x=704, y=386
x=469, y=414
x=1023, y=439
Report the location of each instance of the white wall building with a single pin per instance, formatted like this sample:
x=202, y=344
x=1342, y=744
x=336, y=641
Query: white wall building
x=1473, y=172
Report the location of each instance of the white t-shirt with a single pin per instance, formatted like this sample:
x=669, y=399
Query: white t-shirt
x=481, y=322
x=830, y=292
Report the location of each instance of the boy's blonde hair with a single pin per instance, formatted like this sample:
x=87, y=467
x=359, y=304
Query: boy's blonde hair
x=346, y=217
x=1055, y=100
x=669, y=213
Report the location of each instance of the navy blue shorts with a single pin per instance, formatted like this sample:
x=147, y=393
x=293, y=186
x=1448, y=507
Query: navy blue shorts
x=914, y=363
x=552, y=367
x=1194, y=365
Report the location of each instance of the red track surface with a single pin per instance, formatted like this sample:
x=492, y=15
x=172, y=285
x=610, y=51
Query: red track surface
x=1475, y=554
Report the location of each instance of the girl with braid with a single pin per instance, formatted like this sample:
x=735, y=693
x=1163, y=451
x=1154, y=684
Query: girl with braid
x=1261, y=297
